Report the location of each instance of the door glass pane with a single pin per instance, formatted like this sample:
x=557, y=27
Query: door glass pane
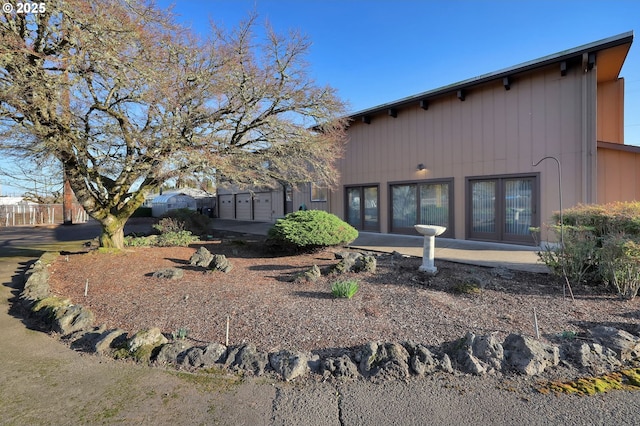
x=371, y=207
x=403, y=199
x=353, y=207
x=518, y=198
x=434, y=204
x=483, y=212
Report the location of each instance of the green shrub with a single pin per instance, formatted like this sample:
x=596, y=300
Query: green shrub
x=600, y=243
x=191, y=220
x=620, y=264
x=175, y=238
x=311, y=229
x=144, y=241
x=344, y=289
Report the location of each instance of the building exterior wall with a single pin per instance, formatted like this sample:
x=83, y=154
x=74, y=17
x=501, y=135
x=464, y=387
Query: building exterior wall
x=611, y=111
x=492, y=132
x=618, y=175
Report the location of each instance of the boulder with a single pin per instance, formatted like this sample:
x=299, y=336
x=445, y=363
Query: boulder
x=529, y=356
x=169, y=273
x=73, y=318
x=213, y=353
x=385, y=359
x=421, y=360
x=202, y=257
x=597, y=358
x=151, y=337
x=173, y=353
x=248, y=358
x=311, y=275
x=339, y=367
x=290, y=365
x=354, y=262
x=625, y=344
x=36, y=285
x=107, y=340
x=220, y=263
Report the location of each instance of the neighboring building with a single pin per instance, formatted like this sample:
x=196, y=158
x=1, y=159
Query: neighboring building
x=462, y=156
x=267, y=204
x=205, y=202
x=172, y=201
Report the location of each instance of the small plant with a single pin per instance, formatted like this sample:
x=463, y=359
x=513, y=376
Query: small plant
x=466, y=288
x=181, y=333
x=345, y=289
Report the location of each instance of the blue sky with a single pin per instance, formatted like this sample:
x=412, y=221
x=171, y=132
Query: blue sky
x=377, y=51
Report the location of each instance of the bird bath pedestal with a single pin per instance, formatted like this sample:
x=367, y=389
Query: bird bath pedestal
x=430, y=232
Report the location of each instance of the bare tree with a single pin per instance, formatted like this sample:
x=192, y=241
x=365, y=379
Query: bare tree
x=40, y=181
x=126, y=99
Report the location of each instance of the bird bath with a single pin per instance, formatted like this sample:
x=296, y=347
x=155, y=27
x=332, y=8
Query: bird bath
x=429, y=232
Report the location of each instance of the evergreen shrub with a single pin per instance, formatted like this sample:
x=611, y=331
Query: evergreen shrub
x=311, y=229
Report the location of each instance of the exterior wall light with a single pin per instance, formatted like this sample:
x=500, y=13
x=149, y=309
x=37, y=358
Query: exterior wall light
x=421, y=167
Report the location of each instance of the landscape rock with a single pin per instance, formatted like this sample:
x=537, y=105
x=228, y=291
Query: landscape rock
x=354, y=262
x=597, y=358
x=36, y=286
x=385, y=359
x=169, y=273
x=311, y=275
x=202, y=257
x=339, y=367
x=421, y=360
x=73, y=318
x=290, y=365
x=247, y=358
x=151, y=337
x=529, y=356
x=213, y=353
x=173, y=353
x=625, y=344
x=220, y=263
x=108, y=340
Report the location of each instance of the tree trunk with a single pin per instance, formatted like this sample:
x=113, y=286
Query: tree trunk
x=112, y=235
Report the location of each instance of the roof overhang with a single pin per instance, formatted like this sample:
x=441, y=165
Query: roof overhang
x=610, y=54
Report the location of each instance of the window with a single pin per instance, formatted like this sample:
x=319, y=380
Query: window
x=318, y=193
x=426, y=203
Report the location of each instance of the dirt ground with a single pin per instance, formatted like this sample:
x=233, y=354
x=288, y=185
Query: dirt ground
x=44, y=382
x=264, y=307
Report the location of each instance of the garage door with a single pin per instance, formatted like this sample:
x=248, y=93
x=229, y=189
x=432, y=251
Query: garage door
x=243, y=207
x=262, y=207
x=227, y=208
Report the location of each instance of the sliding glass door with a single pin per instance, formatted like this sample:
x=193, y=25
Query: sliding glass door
x=502, y=208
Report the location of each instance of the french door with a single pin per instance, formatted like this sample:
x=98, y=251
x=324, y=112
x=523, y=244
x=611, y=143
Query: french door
x=362, y=207
x=502, y=208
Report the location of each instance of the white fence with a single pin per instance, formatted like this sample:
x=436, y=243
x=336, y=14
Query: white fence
x=38, y=214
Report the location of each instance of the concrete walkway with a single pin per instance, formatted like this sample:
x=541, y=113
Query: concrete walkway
x=516, y=257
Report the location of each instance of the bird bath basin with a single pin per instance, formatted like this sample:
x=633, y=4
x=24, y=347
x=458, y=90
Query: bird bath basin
x=429, y=232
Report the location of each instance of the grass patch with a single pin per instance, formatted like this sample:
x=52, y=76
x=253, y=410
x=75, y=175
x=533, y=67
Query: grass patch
x=345, y=289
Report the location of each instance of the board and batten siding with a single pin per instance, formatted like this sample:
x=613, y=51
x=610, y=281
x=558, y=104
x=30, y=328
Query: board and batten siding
x=492, y=132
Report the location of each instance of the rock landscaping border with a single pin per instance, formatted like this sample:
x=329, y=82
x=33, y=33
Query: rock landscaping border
x=604, y=350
